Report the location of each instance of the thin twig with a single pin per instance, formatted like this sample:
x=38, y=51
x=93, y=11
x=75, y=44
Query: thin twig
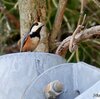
x=95, y=41
x=80, y=23
x=71, y=56
x=16, y=5
x=84, y=17
x=67, y=22
x=81, y=12
x=97, y=3
x=79, y=28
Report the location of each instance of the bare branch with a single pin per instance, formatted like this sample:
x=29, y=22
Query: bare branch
x=81, y=12
x=57, y=22
x=10, y=17
x=65, y=18
x=79, y=37
x=78, y=29
x=97, y=2
x=84, y=17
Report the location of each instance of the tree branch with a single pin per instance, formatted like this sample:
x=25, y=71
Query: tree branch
x=10, y=17
x=57, y=22
x=79, y=37
x=79, y=28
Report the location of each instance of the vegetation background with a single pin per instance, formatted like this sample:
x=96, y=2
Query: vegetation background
x=89, y=51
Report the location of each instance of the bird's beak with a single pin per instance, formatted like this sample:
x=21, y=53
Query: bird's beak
x=23, y=40
x=42, y=25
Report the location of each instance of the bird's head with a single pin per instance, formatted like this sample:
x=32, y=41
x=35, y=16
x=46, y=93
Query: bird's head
x=33, y=32
x=35, y=29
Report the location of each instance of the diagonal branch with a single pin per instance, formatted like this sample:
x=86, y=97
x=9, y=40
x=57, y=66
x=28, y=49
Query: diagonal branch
x=79, y=28
x=57, y=22
x=79, y=37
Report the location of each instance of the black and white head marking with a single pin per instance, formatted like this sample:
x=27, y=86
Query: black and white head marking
x=34, y=32
x=35, y=29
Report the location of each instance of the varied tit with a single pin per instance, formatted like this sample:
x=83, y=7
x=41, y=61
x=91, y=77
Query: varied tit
x=31, y=39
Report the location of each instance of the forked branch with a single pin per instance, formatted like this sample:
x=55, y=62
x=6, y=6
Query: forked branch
x=79, y=37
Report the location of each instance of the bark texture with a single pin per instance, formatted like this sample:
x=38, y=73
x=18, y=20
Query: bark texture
x=30, y=11
x=27, y=14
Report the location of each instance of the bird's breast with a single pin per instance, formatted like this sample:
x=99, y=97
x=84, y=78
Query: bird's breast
x=30, y=44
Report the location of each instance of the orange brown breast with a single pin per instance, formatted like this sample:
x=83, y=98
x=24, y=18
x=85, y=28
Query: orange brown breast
x=30, y=44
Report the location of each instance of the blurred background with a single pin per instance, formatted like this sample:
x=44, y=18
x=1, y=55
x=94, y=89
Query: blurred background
x=89, y=51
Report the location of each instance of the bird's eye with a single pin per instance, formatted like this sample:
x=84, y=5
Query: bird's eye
x=36, y=24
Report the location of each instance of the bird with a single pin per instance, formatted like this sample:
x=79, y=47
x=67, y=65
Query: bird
x=31, y=39
x=53, y=89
